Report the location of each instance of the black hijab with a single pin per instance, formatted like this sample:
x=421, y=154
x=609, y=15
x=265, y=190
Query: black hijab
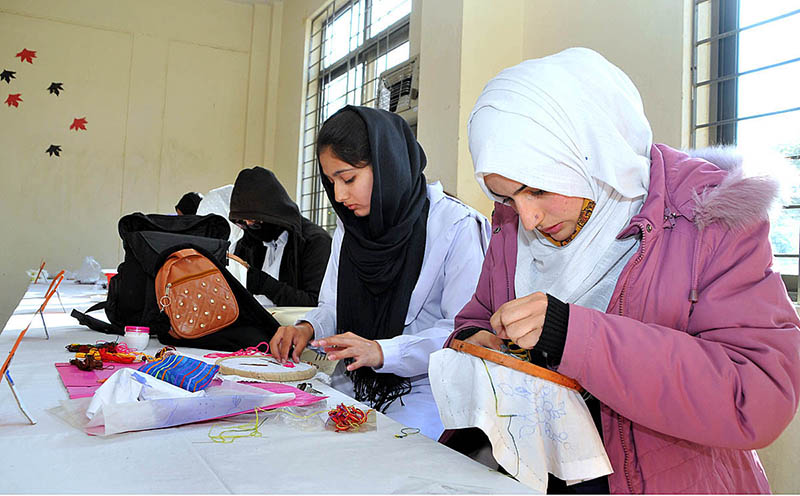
x=382, y=253
x=188, y=203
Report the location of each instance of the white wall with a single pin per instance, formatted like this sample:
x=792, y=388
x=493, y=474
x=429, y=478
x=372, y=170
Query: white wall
x=175, y=95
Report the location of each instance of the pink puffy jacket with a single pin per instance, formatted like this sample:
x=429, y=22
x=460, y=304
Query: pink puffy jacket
x=696, y=361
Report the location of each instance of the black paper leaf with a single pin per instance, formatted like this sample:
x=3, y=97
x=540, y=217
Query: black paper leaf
x=7, y=75
x=54, y=150
x=55, y=88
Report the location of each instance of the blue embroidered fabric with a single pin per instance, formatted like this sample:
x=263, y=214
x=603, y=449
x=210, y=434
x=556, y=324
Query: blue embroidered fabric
x=182, y=371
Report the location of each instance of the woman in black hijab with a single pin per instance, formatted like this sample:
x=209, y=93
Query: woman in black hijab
x=405, y=259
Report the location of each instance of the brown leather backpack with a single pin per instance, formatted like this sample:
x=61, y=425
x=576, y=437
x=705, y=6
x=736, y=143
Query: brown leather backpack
x=194, y=294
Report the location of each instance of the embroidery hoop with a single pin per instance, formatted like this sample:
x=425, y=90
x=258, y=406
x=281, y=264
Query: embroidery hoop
x=270, y=371
x=238, y=268
x=515, y=363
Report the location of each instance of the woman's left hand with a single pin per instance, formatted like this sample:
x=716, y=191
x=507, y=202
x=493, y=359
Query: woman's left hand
x=521, y=320
x=364, y=352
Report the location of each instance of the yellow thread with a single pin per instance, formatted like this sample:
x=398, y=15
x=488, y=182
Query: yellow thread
x=502, y=415
x=406, y=431
x=250, y=429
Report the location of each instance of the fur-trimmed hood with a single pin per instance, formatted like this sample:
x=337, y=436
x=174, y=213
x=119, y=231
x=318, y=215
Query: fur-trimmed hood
x=738, y=201
x=704, y=192
x=705, y=186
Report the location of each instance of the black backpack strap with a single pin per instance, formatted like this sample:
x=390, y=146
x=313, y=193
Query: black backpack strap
x=97, y=306
x=96, y=324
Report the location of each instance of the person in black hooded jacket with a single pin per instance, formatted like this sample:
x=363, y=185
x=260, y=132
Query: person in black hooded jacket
x=287, y=253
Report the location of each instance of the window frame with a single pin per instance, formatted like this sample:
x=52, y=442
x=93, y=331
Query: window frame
x=721, y=76
x=370, y=47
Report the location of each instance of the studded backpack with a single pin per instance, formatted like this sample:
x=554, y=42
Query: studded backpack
x=194, y=294
x=149, y=241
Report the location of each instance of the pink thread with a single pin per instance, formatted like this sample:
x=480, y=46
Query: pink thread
x=123, y=348
x=249, y=351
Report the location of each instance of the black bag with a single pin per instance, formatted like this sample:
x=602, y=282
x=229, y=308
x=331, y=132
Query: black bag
x=148, y=240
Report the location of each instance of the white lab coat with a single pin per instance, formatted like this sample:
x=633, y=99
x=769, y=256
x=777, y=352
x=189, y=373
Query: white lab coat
x=457, y=240
x=272, y=264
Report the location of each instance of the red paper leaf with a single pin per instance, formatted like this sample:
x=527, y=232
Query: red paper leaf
x=78, y=124
x=26, y=55
x=14, y=99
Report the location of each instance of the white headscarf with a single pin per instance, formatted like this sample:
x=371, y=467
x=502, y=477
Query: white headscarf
x=571, y=123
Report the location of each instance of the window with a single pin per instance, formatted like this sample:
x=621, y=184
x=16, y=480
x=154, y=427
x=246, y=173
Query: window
x=352, y=43
x=746, y=71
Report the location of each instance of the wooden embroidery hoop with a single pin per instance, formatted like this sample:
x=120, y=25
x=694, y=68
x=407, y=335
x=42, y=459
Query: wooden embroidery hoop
x=273, y=372
x=515, y=363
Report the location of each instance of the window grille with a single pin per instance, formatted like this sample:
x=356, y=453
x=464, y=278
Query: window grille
x=351, y=43
x=745, y=75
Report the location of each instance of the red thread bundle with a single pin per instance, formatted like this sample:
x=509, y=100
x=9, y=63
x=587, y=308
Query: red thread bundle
x=346, y=417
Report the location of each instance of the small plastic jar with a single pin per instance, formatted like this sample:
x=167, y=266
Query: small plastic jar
x=137, y=337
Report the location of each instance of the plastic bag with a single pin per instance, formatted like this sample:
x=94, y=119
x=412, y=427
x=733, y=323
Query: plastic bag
x=305, y=418
x=221, y=401
x=43, y=276
x=218, y=201
x=129, y=385
x=90, y=272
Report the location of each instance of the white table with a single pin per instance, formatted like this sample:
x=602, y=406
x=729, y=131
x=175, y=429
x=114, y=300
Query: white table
x=54, y=457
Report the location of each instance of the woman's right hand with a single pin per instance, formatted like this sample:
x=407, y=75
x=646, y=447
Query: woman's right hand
x=286, y=336
x=486, y=339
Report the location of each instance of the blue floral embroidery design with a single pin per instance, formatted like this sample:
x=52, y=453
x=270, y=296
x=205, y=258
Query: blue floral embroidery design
x=544, y=413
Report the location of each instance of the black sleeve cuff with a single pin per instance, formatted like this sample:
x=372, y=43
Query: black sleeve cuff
x=258, y=282
x=554, y=332
x=270, y=287
x=467, y=333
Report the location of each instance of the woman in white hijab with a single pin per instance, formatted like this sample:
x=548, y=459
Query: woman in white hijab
x=638, y=270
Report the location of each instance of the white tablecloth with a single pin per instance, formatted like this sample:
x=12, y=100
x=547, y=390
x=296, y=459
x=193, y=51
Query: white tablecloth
x=54, y=457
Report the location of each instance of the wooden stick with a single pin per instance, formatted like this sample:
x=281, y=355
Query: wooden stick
x=41, y=268
x=515, y=363
x=4, y=368
x=234, y=257
x=54, y=284
x=50, y=291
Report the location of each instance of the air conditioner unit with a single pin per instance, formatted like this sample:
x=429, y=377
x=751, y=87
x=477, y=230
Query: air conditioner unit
x=398, y=90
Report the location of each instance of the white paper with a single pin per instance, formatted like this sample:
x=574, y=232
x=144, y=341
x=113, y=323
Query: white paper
x=128, y=385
